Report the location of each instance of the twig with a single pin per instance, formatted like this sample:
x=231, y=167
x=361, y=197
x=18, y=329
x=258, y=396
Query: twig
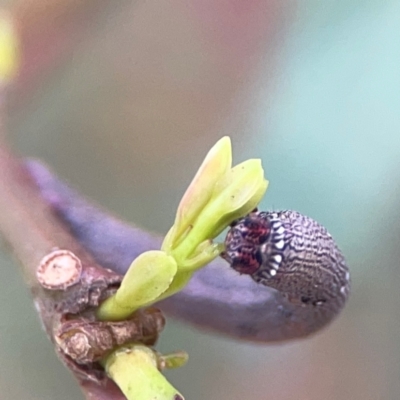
x=31, y=230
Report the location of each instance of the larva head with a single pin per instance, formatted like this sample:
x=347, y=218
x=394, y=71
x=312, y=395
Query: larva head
x=247, y=240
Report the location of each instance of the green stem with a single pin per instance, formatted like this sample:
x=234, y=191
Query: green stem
x=134, y=369
x=111, y=310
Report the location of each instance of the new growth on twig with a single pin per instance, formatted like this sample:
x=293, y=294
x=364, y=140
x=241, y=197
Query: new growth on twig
x=218, y=195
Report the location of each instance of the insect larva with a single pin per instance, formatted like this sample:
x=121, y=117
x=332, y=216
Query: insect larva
x=291, y=253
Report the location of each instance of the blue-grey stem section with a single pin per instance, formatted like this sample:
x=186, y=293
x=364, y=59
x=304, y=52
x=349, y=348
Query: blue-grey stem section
x=217, y=298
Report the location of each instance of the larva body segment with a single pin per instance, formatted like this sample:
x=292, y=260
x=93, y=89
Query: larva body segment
x=293, y=254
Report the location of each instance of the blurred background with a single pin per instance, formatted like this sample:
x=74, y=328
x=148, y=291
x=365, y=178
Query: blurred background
x=123, y=100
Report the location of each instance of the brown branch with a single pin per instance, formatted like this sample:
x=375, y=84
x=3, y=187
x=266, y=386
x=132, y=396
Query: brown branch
x=31, y=230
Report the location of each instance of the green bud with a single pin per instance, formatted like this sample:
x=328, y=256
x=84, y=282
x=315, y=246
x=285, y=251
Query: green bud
x=147, y=278
x=176, y=359
x=236, y=194
x=135, y=370
x=201, y=257
x=216, y=164
x=217, y=195
x=181, y=279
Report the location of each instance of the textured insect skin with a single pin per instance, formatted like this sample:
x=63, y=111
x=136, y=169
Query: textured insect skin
x=293, y=254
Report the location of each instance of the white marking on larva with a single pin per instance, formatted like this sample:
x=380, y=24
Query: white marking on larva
x=279, y=245
x=347, y=276
x=274, y=215
x=272, y=272
x=280, y=230
x=274, y=265
x=343, y=289
x=278, y=258
x=264, y=247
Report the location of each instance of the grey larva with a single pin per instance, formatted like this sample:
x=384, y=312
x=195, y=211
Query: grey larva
x=292, y=254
